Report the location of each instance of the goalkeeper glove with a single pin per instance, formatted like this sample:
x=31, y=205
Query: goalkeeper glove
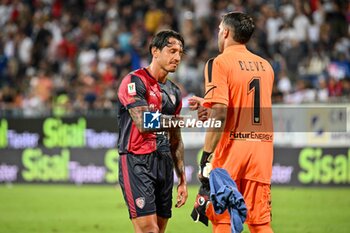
x=205, y=167
x=200, y=205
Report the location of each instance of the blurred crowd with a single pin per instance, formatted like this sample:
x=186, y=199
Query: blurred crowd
x=68, y=56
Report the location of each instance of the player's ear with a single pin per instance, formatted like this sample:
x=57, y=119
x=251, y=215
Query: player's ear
x=226, y=32
x=155, y=52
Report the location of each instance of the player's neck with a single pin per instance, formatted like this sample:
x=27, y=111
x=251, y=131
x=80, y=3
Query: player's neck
x=157, y=72
x=230, y=43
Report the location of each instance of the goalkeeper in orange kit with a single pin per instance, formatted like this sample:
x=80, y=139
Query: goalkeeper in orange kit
x=238, y=88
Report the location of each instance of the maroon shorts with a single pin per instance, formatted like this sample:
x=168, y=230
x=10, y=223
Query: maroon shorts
x=147, y=183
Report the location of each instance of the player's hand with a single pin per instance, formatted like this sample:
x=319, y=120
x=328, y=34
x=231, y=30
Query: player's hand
x=201, y=204
x=195, y=102
x=181, y=195
x=202, y=113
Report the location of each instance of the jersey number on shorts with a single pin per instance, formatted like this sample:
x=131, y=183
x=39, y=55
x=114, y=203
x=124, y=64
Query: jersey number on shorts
x=254, y=88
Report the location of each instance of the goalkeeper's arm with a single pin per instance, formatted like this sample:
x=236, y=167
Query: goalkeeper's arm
x=212, y=137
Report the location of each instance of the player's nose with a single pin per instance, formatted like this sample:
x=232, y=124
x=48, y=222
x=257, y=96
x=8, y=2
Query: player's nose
x=177, y=57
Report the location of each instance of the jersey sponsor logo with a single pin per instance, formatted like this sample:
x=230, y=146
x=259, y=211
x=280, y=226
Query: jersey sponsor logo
x=132, y=89
x=251, y=136
x=140, y=202
x=152, y=93
x=151, y=120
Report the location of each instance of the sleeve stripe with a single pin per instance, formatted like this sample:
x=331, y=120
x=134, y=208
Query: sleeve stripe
x=210, y=69
x=210, y=89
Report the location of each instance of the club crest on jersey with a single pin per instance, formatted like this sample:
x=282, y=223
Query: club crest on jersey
x=173, y=99
x=140, y=202
x=131, y=89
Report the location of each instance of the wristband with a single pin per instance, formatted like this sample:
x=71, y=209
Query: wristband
x=206, y=157
x=205, y=166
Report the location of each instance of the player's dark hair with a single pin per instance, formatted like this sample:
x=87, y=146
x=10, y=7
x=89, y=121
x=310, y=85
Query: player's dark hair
x=241, y=24
x=161, y=39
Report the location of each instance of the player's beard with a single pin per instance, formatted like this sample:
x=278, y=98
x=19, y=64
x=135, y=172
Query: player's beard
x=171, y=68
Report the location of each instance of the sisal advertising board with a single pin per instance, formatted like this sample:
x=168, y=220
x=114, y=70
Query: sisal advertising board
x=309, y=166
x=51, y=132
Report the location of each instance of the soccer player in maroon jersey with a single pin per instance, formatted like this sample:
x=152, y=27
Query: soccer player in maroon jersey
x=148, y=155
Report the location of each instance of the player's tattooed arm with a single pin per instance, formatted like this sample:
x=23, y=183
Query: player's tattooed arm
x=177, y=152
x=136, y=114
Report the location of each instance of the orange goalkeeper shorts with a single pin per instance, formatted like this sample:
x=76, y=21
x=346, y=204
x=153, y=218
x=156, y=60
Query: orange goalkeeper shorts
x=257, y=197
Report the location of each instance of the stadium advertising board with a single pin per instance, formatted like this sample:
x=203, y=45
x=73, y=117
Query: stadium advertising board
x=50, y=132
x=83, y=150
x=292, y=166
x=63, y=165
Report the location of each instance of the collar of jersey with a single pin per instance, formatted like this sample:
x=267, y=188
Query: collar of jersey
x=149, y=74
x=236, y=47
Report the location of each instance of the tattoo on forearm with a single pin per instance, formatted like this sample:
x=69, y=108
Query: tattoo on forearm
x=177, y=152
x=137, y=116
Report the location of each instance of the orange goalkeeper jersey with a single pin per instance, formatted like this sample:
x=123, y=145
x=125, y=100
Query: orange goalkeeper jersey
x=243, y=81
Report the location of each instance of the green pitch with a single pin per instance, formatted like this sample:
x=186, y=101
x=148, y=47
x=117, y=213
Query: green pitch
x=88, y=209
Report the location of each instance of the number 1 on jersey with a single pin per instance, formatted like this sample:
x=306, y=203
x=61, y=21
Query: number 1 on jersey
x=254, y=87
